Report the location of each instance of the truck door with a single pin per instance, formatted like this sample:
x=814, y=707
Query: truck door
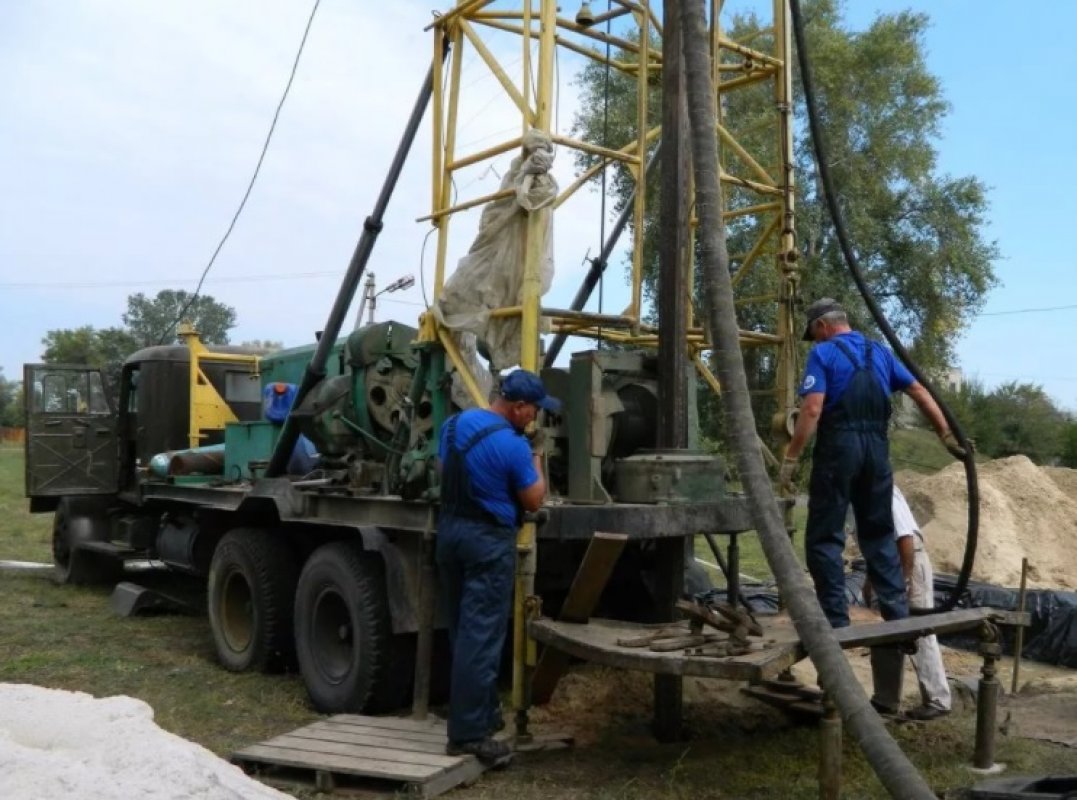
x=71, y=445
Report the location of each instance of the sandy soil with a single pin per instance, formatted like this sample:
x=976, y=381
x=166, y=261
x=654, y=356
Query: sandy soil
x=1025, y=511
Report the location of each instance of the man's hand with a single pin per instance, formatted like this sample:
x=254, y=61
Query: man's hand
x=537, y=438
x=785, y=474
x=949, y=441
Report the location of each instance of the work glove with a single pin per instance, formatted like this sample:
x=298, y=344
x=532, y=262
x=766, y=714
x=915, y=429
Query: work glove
x=949, y=441
x=537, y=438
x=785, y=474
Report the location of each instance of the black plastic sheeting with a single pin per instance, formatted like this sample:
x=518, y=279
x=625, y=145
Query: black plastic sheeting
x=1051, y=637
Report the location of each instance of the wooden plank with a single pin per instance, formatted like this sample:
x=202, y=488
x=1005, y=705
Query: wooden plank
x=331, y=727
x=394, y=723
x=372, y=741
x=430, y=761
x=286, y=757
x=466, y=771
x=904, y=630
x=591, y=578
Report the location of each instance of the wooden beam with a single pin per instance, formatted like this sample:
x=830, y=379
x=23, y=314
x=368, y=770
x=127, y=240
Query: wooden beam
x=586, y=590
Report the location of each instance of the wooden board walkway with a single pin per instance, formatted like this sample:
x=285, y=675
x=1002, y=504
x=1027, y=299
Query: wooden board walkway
x=394, y=753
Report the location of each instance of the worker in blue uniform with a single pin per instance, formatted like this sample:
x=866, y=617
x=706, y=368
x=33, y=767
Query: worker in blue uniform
x=490, y=475
x=845, y=395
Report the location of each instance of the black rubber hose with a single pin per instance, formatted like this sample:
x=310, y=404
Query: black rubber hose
x=853, y=265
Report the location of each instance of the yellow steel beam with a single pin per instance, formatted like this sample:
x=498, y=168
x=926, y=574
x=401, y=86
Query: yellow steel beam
x=605, y=152
x=755, y=76
x=478, y=201
x=498, y=72
x=751, y=211
x=482, y=155
x=639, y=209
x=461, y=367
x=568, y=44
x=594, y=169
x=753, y=254
x=744, y=155
x=444, y=180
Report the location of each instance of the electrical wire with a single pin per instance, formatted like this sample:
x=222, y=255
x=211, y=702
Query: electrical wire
x=1026, y=311
x=254, y=176
x=281, y=276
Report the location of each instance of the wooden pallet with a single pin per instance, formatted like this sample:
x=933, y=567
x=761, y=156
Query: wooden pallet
x=392, y=753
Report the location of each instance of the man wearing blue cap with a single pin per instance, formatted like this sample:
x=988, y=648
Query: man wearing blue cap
x=490, y=475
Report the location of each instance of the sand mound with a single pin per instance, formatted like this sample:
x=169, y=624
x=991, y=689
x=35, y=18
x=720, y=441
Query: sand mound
x=1025, y=511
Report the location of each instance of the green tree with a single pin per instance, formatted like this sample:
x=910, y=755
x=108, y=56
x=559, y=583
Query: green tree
x=1028, y=423
x=1015, y=419
x=265, y=345
x=919, y=234
x=1069, y=444
x=10, y=404
x=155, y=320
x=104, y=348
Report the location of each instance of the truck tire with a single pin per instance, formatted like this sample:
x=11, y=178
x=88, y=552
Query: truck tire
x=77, y=520
x=252, y=580
x=343, y=636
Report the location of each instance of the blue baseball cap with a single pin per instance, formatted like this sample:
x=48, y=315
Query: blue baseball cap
x=527, y=386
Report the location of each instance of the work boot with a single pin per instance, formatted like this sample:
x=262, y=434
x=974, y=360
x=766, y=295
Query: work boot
x=885, y=711
x=489, y=751
x=926, y=713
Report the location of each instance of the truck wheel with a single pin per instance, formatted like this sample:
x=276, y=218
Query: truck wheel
x=343, y=636
x=77, y=520
x=252, y=582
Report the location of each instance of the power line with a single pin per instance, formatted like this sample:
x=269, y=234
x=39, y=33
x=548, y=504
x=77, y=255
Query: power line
x=1027, y=310
x=254, y=177
x=281, y=276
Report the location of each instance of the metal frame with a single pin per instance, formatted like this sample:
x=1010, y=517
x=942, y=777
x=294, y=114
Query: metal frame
x=758, y=191
x=754, y=190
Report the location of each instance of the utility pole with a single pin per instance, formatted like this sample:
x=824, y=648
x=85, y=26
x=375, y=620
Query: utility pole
x=674, y=260
x=368, y=297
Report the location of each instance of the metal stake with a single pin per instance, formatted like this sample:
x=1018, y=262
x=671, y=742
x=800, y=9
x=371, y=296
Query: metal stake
x=1019, y=641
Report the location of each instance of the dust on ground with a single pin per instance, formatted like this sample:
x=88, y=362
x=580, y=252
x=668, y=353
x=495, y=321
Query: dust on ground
x=1025, y=511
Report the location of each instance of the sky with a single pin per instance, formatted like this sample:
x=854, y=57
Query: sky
x=131, y=129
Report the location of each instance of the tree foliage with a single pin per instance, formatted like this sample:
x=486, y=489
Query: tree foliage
x=264, y=345
x=148, y=322
x=10, y=403
x=104, y=348
x=1016, y=419
x=154, y=320
x=918, y=233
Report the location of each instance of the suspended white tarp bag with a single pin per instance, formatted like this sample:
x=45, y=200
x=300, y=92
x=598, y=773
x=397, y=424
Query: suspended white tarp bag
x=491, y=274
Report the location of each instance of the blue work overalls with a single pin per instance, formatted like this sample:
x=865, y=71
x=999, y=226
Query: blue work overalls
x=476, y=560
x=851, y=464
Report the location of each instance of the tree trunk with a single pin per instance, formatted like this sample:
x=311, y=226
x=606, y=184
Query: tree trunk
x=895, y=771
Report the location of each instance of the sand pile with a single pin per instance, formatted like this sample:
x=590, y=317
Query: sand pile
x=1025, y=511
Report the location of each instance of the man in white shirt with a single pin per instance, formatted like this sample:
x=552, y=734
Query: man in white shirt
x=927, y=661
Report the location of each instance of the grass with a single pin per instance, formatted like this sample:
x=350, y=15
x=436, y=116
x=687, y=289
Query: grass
x=23, y=536
x=67, y=638
x=917, y=449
